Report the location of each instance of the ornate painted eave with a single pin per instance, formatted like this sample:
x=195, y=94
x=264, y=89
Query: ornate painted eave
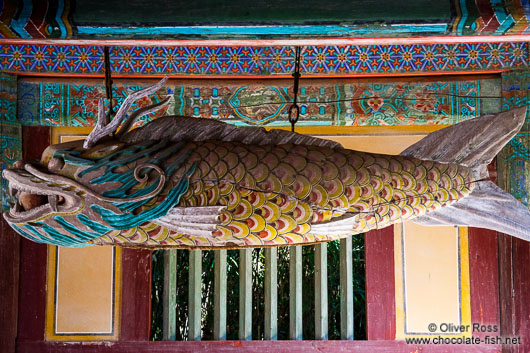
x=334, y=57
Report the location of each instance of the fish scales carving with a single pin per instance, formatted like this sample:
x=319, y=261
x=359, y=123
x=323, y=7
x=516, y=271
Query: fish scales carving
x=274, y=194
x=195, y=183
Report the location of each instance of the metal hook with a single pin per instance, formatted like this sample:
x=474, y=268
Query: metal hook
x=293, y=118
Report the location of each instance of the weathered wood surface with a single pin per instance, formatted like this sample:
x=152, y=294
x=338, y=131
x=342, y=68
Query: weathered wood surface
x=245, y=294
x=484, y=278
x=251, y=347
x=321, y=291
x=346, y=289
x=219, y=329
x=32, y=290
x=514, y=275
x=380, y=289
x=295, y=293
x=271, y=294
x=136, y=295
x=194, y=295
x=169, y=330
x=9, y=282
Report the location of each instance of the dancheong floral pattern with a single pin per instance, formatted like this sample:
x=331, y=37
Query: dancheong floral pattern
x=263, y=60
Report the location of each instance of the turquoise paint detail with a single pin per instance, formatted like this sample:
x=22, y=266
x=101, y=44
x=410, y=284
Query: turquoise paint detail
x=129, y=220
x=75, y=231
x=18, y=23
x=71, y=157
x=61, y=239
x=463, y=18
x=100, y=228
x=60, y=10
x=310, y=30
x=181, y=99
x=236, y=103
x=134, y=153
x=505, y=20
x=25, y=234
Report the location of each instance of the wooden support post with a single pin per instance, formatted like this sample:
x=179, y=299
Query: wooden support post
x=245, y=294
x=194, y=295
x=346, y=289
x=271, y=294
x=295, y=290
x=219, y=329
x=321, y=291
x=170, y=296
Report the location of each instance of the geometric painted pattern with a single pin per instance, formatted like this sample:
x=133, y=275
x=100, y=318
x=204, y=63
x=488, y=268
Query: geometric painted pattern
x=514, y=159
x=61, y=102
x=226, y=61
x=10, y=131
x=66, y=19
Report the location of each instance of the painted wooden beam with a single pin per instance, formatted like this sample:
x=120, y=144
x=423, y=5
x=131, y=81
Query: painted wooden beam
x=219, y=328
x=295, y=291
x=271, y=294
x=169, y=301
x=194, y=295
x=258, y=346
x=517, y=38
x=346, y=289
x=321, y=291
x=245, y=294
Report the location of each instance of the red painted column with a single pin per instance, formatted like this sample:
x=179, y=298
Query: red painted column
x=9, y=280
x=514, y=276
x=484, y=279
x=32, y=290
x=136, y=295
x=380, y=289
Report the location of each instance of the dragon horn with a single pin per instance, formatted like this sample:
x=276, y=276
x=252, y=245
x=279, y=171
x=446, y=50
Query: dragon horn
x=101, y=130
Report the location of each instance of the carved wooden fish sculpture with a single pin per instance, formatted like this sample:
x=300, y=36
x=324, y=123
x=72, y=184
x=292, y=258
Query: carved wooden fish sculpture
x=197, y=183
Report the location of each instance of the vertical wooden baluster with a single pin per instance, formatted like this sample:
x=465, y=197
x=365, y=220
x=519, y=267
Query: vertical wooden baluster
x=194, y=303
x=245, y=294
x=271, y=293
x=219, y=331
x=346, y=289
x=321, y=291
x=295, y=291
x=169, y=301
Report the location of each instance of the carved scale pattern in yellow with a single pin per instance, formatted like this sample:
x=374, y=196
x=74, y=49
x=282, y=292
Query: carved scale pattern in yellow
x=274, y=194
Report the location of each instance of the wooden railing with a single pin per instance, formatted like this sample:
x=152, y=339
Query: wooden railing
x=271, y=293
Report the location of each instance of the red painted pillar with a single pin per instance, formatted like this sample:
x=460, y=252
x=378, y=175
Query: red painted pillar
x=380, y=290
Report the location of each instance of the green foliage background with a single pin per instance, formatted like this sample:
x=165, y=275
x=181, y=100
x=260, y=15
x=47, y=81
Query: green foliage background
x=258, y=300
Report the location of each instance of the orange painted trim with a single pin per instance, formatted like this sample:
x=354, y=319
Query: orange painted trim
x=269, y=77
x=278, y=42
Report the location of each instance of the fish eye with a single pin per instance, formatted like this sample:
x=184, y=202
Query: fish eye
x=55, y=164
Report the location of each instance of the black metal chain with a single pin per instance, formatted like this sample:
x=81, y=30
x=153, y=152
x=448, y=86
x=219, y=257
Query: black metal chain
x=294, y=109
x=108, y=81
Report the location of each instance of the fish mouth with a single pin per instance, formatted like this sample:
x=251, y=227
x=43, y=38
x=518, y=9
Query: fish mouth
x=37, y=195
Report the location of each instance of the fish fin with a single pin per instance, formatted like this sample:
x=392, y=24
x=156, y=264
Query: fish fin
x=180, y=128
x=473, y=143
x=197, y=221
x=342, y=225
x=487, y=206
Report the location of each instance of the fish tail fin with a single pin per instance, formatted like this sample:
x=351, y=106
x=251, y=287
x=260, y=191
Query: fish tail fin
x=474, y=143
x=487, y=206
